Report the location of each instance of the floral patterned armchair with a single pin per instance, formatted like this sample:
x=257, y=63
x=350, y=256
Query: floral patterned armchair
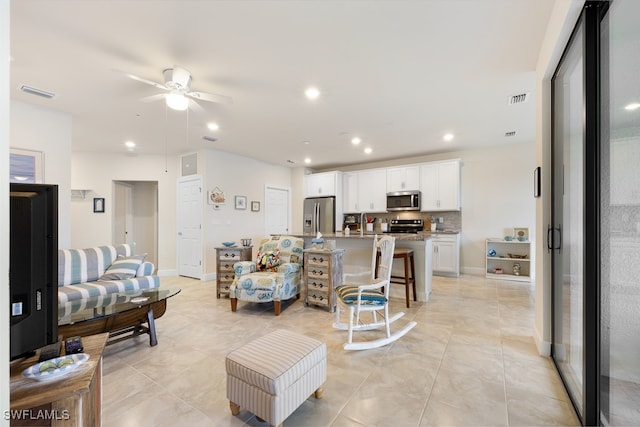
x=274, y=276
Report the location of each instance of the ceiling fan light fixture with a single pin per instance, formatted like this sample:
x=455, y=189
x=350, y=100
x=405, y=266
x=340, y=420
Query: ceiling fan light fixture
x=177, y=101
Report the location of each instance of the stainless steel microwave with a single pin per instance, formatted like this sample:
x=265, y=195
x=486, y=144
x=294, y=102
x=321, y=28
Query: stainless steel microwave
x=403, y=201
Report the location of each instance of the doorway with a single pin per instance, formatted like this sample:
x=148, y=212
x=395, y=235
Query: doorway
x=190, y=248
x=276, y=210
x=135, y=216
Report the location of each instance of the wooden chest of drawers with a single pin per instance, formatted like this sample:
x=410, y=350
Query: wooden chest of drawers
x=225, y=258
x=322, y=273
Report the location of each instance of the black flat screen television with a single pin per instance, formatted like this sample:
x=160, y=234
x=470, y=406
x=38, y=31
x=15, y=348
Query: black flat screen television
x=33, y=267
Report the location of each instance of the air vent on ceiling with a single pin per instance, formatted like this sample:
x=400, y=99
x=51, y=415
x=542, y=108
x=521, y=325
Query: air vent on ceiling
x=291, y=162
x=36, y=91
x=209, y=138
x=518, y=99
x=512, y=133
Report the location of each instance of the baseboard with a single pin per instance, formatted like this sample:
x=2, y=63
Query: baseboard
x=475, y=271
x=544, y=347
x=208, y=277
x=167, y=272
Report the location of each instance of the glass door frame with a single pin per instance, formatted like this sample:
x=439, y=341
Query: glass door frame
x=589, y=22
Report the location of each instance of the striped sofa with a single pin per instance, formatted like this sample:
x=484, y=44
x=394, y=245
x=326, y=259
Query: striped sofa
x=101, y=272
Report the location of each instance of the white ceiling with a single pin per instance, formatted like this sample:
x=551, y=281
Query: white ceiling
x=399, y=74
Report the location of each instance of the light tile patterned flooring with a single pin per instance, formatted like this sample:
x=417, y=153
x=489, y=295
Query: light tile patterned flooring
x=470, y=361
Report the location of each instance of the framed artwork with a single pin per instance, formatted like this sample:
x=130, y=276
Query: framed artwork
x=521, y=233
x=255, y=206
x=241, y=202
x=98, y=204
x=26, y=166
x=536, y=182
x=216, y=197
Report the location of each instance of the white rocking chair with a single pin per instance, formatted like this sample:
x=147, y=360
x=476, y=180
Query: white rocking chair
x=370, y=297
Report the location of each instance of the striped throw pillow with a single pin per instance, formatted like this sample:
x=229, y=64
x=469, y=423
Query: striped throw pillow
x=123, y=268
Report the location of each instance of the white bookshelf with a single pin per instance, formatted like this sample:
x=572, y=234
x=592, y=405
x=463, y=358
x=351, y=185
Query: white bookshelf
x=507, y=254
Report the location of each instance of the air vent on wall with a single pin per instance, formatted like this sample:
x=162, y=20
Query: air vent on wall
x=518, y=99
x=511, y=133
x=36, y=91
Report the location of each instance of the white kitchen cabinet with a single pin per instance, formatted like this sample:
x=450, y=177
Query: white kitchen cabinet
x=440, y=186
x=350, y=192
x=365, y=191
x=372, y=191
x=405, y=178
x=446, y=254
x=323, y=184
x=502, y=256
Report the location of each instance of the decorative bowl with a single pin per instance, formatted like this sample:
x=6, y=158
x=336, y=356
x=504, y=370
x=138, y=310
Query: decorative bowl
x=229, y=244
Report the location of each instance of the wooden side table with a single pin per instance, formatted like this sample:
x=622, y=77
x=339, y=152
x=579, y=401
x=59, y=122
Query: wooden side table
x=225, y=258
x=74, y=399
x=322, y=274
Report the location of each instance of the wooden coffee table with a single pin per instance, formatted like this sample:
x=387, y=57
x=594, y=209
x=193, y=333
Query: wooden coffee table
x=123, y=315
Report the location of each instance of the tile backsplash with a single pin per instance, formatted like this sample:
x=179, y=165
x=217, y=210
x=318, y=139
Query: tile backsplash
x=450, y=219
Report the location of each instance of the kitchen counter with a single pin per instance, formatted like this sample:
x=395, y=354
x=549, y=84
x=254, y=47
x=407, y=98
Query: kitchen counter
x=399, y=236
x=358, y=255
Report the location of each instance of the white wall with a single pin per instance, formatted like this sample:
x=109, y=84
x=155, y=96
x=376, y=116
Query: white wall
x=96, y=173
x=235, y=175
x=41, y=129
x=497, y=195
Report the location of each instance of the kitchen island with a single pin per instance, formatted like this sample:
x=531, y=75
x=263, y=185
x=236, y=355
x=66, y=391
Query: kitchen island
x=357, y=256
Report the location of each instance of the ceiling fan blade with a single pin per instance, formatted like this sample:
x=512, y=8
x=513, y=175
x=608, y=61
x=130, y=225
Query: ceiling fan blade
x=153, y=98
x=149, y=82
x=211, y=97
x=197, y=108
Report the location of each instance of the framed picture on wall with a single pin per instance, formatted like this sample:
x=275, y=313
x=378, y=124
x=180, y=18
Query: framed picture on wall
x=255, y=206
x=98, y=204
x=241, y=202
x=26, y=166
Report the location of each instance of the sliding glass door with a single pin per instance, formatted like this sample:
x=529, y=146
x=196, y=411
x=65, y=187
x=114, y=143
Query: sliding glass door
x=620, y=232
x=595, y=232
x=566, y=234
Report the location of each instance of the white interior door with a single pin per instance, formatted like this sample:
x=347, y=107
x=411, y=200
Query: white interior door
x=190, y=226
x=123, y=216
x=276, y=210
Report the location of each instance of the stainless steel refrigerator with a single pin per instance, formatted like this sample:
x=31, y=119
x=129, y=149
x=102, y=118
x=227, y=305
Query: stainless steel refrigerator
x=319, y=215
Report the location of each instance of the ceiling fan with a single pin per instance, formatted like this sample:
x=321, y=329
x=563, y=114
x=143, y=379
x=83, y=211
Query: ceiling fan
x=177, y=81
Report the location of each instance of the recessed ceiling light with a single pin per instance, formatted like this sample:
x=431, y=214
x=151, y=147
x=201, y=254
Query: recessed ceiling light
x=213, y=126
x=306, y=142
x=356, y=140
x=368, y=150
x=130, y=144
x=312, y=93
x=307, y=160
x=448, y=136
x=633, y=106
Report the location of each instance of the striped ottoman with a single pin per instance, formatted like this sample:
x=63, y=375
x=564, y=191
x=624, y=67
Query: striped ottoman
x=272, y=375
